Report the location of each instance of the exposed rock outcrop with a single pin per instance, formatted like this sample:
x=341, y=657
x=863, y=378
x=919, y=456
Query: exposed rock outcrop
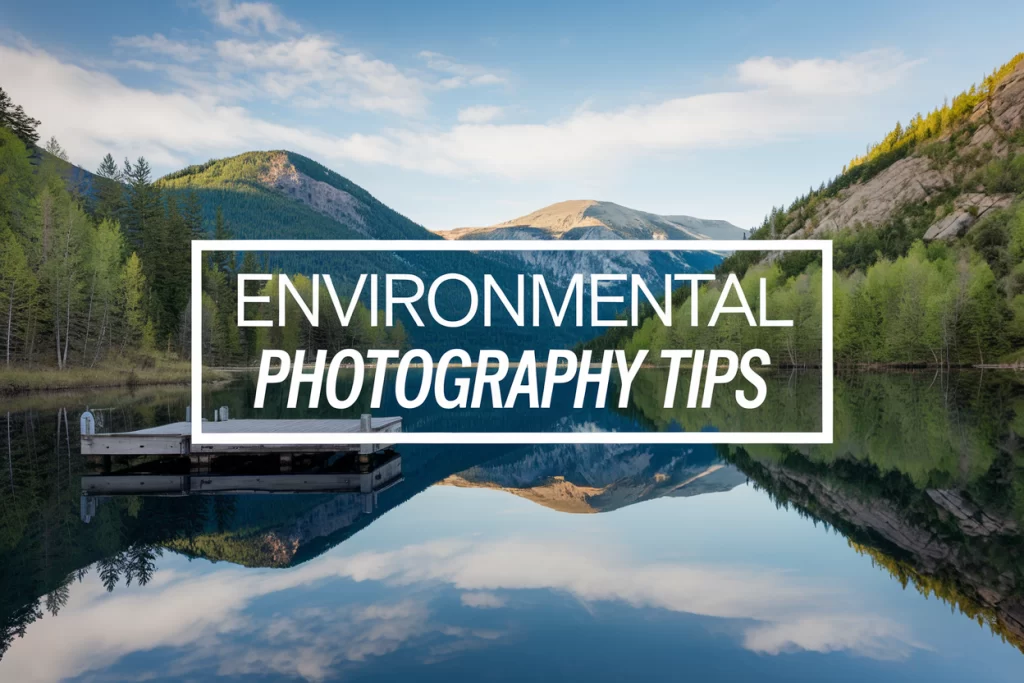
x=930, y=553
x=918, y=178
x=971, y=519
x=282, y=175
x=967, y=209
x=872, y=203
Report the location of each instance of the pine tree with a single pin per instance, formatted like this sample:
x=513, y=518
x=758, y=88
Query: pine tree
x=110, y=190
x=142, y=211
x=14, y=118
x=223, y=261
x=171, y=289
x=132, y=289
x=192, y=214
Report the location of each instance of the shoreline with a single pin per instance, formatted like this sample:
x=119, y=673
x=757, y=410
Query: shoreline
x=25, y=381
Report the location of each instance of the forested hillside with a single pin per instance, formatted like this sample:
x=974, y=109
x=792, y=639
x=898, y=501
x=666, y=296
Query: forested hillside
x=282, y=195
x=94, y=268
x=96, y=265
x=928, y=236
x=80, y=256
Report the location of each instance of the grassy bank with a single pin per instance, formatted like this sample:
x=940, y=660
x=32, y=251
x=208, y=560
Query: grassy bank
x=19, y=380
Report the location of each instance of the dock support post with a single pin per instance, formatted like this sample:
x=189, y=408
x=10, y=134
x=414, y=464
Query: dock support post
x=87, y=508
x=366, y=426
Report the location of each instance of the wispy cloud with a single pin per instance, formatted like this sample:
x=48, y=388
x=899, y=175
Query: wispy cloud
x=321, y=72
x=248, y=17
x=459, y=75
x=272, y=58
x=865, y=73
x=162, y=45
x=92, y=112
x=479, y=114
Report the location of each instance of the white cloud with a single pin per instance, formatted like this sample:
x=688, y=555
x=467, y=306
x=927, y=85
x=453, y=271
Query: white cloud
x=91, y=112
x=248, y=17
x=162, y=45
x=482, y=600
x=459, y=75
x=871, y=636
x=479, y=114
x=317, y=69
x=862, y=74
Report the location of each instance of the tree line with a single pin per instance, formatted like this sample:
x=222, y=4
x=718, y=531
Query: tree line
x=225, y=344
x=89, y=271
x=96, y=267
x=936, y=305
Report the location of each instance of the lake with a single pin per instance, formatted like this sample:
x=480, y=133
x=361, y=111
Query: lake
x=895, y=554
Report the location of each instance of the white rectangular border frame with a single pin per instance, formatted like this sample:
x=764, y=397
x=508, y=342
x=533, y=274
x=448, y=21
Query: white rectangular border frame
x=825, y=436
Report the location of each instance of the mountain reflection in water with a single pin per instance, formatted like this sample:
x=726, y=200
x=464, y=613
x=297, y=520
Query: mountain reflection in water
x=729, y=562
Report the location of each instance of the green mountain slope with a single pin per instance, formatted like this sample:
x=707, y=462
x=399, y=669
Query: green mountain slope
x=283, y=195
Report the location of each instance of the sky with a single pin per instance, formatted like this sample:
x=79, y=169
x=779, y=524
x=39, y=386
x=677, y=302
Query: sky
x=466, y=113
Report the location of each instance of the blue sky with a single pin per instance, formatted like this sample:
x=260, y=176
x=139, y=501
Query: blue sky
x=461, y=114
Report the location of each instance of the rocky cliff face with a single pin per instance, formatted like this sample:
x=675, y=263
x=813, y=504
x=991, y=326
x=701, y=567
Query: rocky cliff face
x=959, y=558
x=991, y=131
x=281, y=175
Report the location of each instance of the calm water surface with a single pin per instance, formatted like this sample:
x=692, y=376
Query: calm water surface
x=895, y=555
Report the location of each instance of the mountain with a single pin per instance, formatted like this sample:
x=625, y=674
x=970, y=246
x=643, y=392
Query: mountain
x=942, y=173
x=586, y=219
x=283, y=195
x=580, y=478
x=712, y=229
x=927, y=231
x=79, y=181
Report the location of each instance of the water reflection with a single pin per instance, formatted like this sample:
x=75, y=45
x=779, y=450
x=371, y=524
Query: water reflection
x=695, y=570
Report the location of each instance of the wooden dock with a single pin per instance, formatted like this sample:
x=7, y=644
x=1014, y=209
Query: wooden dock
x=381, y=478
x=364, y=476
x=175, y=438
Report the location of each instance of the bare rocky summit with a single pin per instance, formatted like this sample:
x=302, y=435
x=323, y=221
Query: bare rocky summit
x=588, y=219
x=591, y=219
